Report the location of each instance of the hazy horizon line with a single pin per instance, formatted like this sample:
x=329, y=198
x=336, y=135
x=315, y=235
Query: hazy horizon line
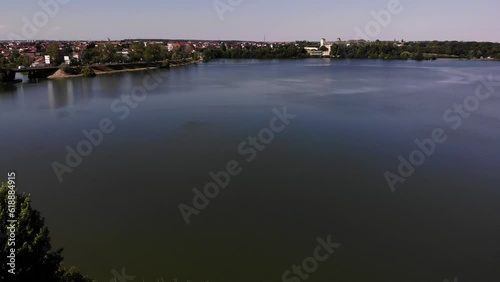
x=241, y=40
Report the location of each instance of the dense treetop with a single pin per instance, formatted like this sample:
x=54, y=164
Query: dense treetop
x=34, y=258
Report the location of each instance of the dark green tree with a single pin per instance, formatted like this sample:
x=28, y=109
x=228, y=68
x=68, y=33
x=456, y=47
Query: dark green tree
x=88, y=71
x=417, y=56
x=90, y=56
x=152, y=53
x=56, y=55
x=67, y=50
x=34, y=258
x=24, y=61
x=136, y=52
x=109, y=54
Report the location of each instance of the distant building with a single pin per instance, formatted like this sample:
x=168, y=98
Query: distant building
x=311, y=49
x=315, y=53
x=38, y=63
x=172, y=46
x=400, y=43
x=329, y=44
x=322, y=42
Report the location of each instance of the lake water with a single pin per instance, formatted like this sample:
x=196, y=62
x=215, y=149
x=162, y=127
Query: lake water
x=323, y=175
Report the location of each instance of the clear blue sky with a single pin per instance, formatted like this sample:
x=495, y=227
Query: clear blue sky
x=279, y=20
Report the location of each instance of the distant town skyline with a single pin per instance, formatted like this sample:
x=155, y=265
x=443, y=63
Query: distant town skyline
x=252, y=20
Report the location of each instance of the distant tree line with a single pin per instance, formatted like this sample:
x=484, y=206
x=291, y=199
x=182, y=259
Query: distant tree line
x=15, y=60
x=103, y=53
x=137, y=52
x=369, y=50
x=248, y=51
x=418, y=50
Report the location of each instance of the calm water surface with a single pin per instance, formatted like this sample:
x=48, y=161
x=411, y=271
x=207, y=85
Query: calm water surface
x=323, y=175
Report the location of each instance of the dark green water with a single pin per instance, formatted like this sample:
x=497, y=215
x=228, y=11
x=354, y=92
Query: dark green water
x=323, y=175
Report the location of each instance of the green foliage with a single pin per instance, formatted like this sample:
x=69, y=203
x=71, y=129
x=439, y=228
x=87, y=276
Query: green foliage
x=405, y=55
x=187, y=50
x=152, y=53
x=72, y=274
x=35, y=259
x=66, y=68
x=285, y=51
x=418, y=56
x=56, y=55
x=90, y=56
x=3, y=63
x=101, y=54
x=137, y=52
x=165, y=64
x=176, y=54
x=109, y=54
x=196, y=56
x=67, y=50
x=21, y=60
x=417, y=50
x=88, y=71
x=15, y=60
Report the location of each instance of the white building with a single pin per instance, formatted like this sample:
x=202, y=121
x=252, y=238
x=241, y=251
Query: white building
x=328, y=45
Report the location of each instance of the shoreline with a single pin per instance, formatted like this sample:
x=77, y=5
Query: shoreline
x=59, y=74
x=105, y=69
x=340, y=59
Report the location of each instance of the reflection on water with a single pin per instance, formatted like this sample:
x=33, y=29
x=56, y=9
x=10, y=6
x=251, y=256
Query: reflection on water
x=323, y=175
x=60, y=93
x=7, y=89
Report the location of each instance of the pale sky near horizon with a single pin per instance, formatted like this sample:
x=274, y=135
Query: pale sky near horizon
x=278, y=20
